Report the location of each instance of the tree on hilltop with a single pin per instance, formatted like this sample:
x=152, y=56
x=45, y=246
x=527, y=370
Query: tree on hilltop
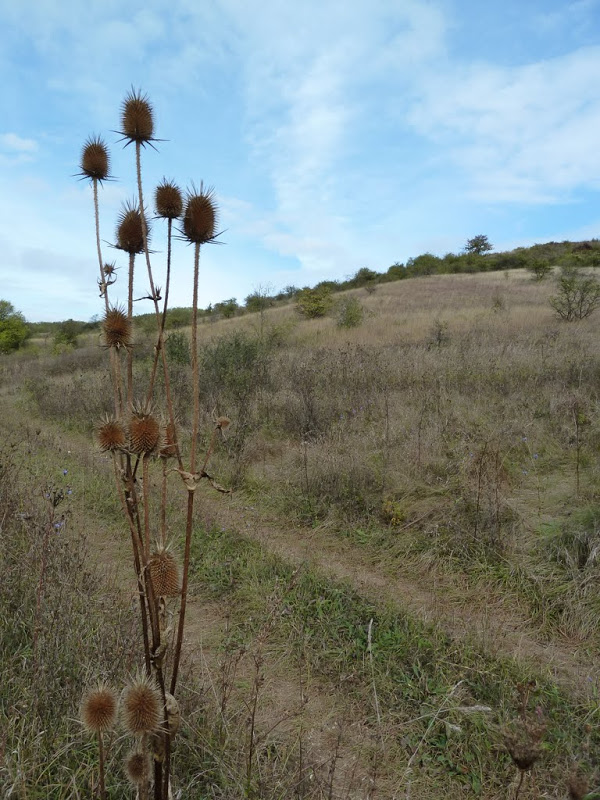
x=478, y=245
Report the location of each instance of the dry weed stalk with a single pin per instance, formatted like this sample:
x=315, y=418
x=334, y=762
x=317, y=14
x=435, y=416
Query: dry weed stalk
x=137, y=435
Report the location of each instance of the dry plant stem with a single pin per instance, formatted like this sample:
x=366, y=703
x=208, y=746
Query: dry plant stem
x=163, y=504
x=190, y=503
x=104, y=288
x=129, y=350
x=521, y=779
x=40, y=590
x=163, y=319
x=101, y=766
x=138, y=569
x=159, y=322
x=377, y=710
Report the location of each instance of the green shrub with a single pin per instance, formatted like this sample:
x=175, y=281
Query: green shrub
x=13, y=329
x=178, y=348
x=314, y=303
x=350, y=313
x=578, y=295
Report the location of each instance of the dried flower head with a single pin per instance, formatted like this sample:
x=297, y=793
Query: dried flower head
x=164, y=572
x=137, y=117
x=523, y=740
x=223, y=422
x=169, y=447
x=168, y=200
x=117, y=328
x=137, y=767
x=578, y=785
x=200, y=217
x=141, y=706
x=111, y=434
x=95, y=160
x=99, y=709
x=109, y=269
x=144, y=431
x=130, y=235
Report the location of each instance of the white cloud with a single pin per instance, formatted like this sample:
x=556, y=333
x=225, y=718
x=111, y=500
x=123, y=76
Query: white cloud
x=520, y=134
x=17, y=144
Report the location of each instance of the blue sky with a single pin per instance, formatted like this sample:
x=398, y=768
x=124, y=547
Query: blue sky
x=337, y=135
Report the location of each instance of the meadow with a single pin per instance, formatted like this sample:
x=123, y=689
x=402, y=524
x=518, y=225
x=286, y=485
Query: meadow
x=398, y=586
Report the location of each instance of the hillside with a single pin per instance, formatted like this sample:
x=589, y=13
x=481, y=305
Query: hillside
x=413, y=527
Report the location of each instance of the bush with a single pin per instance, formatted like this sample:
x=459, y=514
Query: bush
x=314, y=303
x=578, y=295
x=67, y=333
x=13, y=329
x=178, y=348
x=350, y=313
x=539, y=269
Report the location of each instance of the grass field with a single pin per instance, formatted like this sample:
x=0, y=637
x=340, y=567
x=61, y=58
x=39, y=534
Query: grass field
x=412, y=539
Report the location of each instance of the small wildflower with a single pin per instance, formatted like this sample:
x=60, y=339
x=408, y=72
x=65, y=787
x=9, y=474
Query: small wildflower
x=65, y=471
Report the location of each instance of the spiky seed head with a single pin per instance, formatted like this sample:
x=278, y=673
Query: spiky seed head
x=95, y=160
x=144, y=431
x=141, y=706
x=168, y=200
x=130, y=236
x=99, y=709
x=164, y=572
x=223, y=422
x=200, y=217
x=111, y=434
x=137, y=117
x=117, y=328
x=137, y=766
x=109, y=269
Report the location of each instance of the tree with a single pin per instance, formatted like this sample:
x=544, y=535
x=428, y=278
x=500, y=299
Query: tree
x=13, y=328
x=578, y=295
x=313, y=303
x=68, y=332
x=478, y=245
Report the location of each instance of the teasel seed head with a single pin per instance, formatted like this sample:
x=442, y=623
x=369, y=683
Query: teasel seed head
x=578, y=785
x=117, y=328
x=169, y=447
x=523, y=740
x=168, y=200
x=141, y=706
x=130, y=236
x=200, y=216
x=137, y=766
x=95, y=160
x=144, y=431
x=109, y=269
x=137, y=117
x=99, y=709
x=164, y=572
x=111, y=434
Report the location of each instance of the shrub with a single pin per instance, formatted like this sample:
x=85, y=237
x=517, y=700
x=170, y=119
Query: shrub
x=314, y=303
x=578, y=295
x=13, y=329
x=350, y=313
x=178, y=348
x=540, y=268
x=67, y=333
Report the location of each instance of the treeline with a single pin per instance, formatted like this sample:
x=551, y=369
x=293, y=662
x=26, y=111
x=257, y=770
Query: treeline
x=473, y=259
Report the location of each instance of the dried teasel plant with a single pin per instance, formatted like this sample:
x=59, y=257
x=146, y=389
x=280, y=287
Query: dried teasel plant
x=143, y=437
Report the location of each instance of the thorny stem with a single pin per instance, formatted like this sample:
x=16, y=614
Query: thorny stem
x=159, y=324
x=190, y=503
x=138, y=570
x=129, y=350
x=104, y=290
x=521, y=779
x=101, y=766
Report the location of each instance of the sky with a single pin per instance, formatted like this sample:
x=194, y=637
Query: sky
x=337, y=135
